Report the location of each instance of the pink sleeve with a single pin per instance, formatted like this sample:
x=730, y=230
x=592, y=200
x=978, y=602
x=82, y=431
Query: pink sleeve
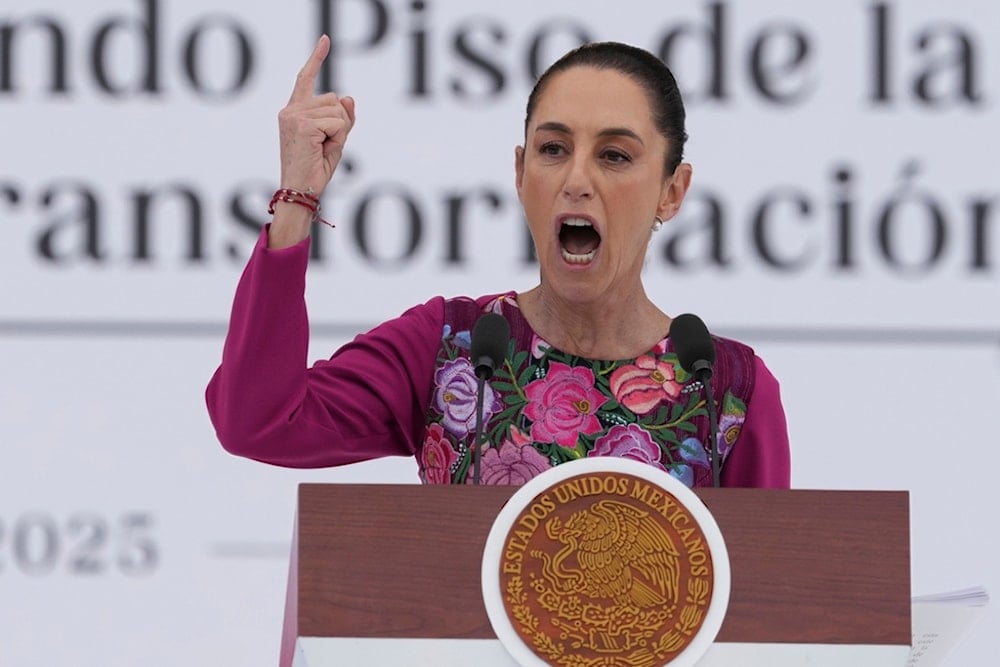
x=366, y=401
x=761, y=455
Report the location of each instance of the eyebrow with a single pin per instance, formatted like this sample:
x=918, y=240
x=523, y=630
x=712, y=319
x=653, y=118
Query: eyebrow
x=554, y=126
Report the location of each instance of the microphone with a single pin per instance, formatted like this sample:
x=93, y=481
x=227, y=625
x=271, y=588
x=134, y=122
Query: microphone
x=489, y=344
x=693, y=345
x=696, y=354
x=490, y=337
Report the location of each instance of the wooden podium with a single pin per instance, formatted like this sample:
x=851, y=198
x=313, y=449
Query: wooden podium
x=809, y=568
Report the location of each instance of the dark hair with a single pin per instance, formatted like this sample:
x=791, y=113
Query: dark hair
x=642, y=67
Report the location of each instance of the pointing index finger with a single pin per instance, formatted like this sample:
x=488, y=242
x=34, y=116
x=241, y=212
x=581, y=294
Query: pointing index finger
x=305, y=81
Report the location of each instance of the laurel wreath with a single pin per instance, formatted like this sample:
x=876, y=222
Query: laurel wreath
x=689, y=619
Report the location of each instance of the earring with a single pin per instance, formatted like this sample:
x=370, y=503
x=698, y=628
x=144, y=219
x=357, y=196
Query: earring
x=658, y=224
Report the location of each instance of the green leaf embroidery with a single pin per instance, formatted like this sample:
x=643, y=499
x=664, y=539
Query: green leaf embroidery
x=732, y=405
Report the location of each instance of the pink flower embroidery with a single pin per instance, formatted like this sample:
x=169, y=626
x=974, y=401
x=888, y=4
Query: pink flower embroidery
x=538, y=346
x=563, y=405
x=628, y=442
x=518, y=437
x=496, y=305
x=436, y=456
x=511, y=464
x=640, y=387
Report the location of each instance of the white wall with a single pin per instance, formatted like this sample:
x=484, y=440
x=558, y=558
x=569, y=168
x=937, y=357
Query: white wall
x=127, y=536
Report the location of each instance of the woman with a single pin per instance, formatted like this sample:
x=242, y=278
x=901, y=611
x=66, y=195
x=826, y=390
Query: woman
x=590, y=370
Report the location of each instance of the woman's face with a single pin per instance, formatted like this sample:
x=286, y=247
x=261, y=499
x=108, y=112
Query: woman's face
x=591, y=180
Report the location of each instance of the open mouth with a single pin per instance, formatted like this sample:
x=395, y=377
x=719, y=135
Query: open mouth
x=578, y=240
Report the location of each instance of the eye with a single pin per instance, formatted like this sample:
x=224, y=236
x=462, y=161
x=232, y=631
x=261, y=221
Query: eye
x=553, y=148
x=615, y=156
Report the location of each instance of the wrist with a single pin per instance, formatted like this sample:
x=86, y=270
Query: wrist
x=305, y=200
x=289, y=226
x=293, y=214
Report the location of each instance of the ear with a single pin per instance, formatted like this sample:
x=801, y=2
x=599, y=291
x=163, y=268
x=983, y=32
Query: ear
x=518, y=168
x=674, y=190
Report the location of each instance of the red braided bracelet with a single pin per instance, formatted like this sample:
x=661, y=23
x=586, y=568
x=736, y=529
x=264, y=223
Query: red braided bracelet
x=305, y=199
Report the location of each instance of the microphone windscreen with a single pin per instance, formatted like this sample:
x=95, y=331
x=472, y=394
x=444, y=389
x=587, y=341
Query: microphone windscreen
x=489, y=339
x=691, y=340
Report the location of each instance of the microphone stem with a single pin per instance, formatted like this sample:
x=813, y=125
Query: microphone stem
x=713, y=427
x=478, y=435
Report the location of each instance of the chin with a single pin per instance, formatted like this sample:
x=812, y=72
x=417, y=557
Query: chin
x=577, y=289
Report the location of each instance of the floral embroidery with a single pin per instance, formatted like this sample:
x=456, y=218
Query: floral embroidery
x=511, y=464
x=628, y=442
x=693, y=456
x=455, y=397
x=436, y=456
x=538, y=346
x=563, y=404
x=733, y=414
x=544, y=407
x=642, y=386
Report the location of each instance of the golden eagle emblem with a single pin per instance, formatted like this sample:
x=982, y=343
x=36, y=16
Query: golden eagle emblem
x=615, y=552
x=606, y=570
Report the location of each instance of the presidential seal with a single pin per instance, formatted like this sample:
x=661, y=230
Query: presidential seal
x=605, y=562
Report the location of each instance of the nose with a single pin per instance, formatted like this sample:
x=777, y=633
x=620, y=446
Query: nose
x=578, y=184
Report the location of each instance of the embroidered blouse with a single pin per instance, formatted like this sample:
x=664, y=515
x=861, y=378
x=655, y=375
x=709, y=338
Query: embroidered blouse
x=407, y=388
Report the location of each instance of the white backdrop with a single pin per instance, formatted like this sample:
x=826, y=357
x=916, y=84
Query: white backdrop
x=845, y=220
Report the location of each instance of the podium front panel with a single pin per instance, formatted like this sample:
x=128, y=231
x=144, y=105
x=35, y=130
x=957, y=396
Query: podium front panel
x=403, y=561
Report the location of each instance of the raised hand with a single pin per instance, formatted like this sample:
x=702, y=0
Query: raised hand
x=312, y=132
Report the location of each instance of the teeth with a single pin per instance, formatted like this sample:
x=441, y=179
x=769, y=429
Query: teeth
x=572, y=258
x=577, y=259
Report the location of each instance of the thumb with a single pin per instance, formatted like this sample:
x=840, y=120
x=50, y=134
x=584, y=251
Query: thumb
x=349, y=105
